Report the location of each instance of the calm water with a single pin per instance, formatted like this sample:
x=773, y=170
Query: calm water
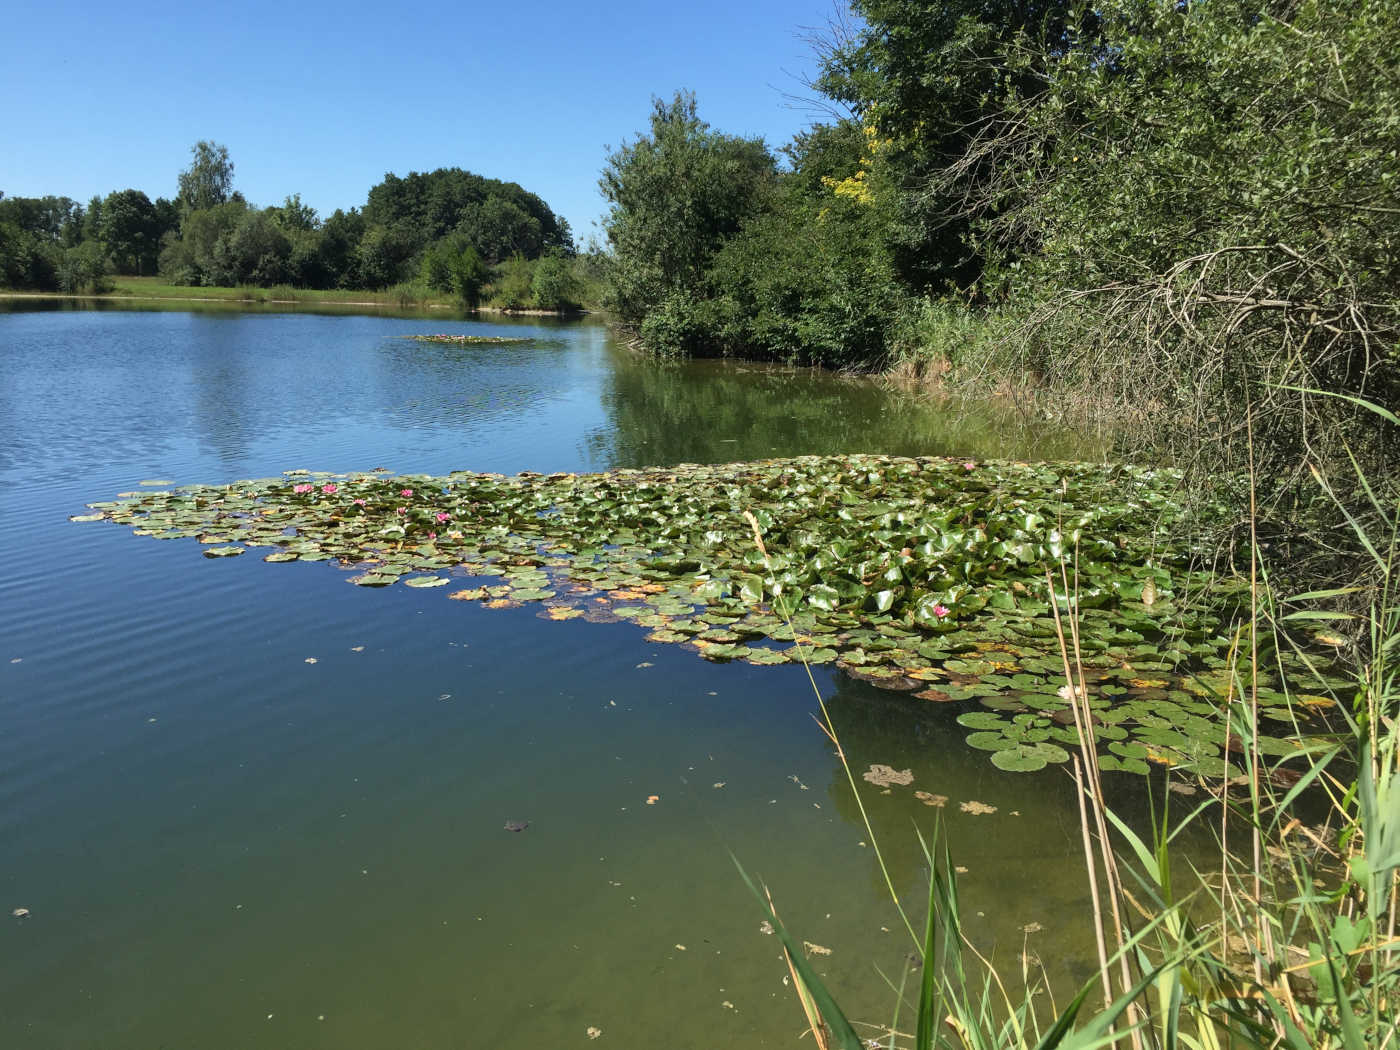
x=223, y=844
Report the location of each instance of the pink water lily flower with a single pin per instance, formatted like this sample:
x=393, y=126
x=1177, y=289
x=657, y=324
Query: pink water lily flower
x=442, y=515
x=406, y=492
x=403, y=510
x=940, y=610
x=432, y=535
x=303, y=488
x=329, y=488
x=360, y=502
x=969, y=465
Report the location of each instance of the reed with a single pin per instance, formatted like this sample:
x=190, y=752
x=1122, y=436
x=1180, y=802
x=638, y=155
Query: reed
x=1289, y=941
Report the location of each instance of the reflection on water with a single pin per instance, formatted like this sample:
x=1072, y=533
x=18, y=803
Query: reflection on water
x=224, y=843
x=714, y=411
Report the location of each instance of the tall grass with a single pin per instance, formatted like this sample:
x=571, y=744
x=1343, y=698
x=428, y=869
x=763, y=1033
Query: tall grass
x=1288, y=941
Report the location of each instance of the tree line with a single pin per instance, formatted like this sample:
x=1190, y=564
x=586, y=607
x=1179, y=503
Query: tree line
x=445, y=229
x=1182, y=217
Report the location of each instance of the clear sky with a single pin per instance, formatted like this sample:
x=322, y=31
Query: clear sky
x=322, y=99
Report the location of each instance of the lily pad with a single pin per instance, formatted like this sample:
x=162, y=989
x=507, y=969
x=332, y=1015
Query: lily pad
x=1027, y=758
x=911, y=573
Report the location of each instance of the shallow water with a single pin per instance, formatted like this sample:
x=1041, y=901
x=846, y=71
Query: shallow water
x=224, y=844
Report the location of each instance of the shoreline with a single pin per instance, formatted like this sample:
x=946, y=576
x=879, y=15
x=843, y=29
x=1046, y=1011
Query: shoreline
x=247, y=301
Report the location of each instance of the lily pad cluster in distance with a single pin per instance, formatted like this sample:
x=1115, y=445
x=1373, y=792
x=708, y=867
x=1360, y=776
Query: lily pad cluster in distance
x=471, y=340
x=926, y=575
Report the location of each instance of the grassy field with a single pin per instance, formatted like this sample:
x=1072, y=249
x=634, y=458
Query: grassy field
x=155, y=288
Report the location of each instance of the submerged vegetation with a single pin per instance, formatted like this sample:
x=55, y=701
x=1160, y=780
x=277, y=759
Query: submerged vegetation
x=934, y=576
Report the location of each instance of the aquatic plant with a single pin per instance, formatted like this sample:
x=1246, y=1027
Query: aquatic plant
x=471, y=340
x=1291, y=943
x=921, y=575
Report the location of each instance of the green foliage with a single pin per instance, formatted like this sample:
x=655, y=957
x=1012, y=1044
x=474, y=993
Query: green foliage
x=130, y=229
x=379, y=257
x=36, y=233
x=82, y=269
x=51, y=218
x=676, y=194
x=1216, y=215
x=935, y=81
x=716, y=253
x=294, y=216
x=468, y=274
x=201, y=253
x=512, y=288
x=499, y=219
x=208, y=181
x=554, y=286
x=212, y=237
x=808, y=283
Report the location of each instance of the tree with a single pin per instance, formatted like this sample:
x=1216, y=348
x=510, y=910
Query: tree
x=453, y=265
x=49, y=218
x=294, y=216
x=554, y=286
x=512, y=287
x=469, y=275
x=208, y=181
x=200, y=254
x=676, y=194
x=501, y=217
x=340, y=235
x=500, y=228
x=934, y=80
x=129, y=231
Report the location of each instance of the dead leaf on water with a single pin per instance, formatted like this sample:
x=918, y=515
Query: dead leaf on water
x=884, y=776
x=653, y=799
x=594, y=1031
x=976, y=808
x=931, y=800
x=815, y=949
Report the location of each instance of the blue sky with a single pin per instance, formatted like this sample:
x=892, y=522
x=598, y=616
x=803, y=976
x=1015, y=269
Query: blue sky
x=322, y=99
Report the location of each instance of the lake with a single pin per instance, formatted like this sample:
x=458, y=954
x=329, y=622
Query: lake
x=248, y=804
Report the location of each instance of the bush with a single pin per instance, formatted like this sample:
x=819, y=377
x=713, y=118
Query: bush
x=554, y=286
x=512, y=290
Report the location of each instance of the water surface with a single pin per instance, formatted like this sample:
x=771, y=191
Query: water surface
x=224, y=844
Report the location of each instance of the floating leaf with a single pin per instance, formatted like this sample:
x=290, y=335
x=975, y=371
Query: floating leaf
x=914, y=574
x=1025, y=758
x=884, y=776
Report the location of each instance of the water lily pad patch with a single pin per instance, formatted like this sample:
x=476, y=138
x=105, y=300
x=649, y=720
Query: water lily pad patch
x=914, y=574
